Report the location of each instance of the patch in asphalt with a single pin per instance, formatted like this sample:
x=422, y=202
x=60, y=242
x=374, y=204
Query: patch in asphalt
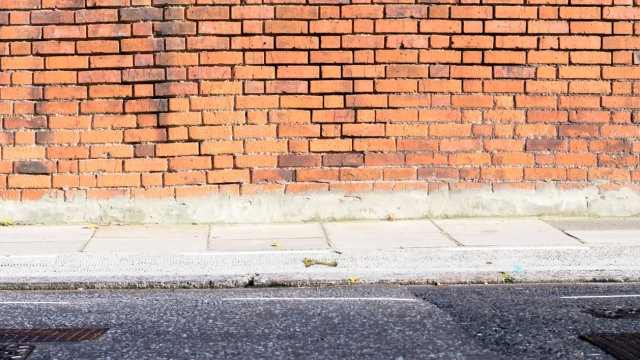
x=614, y=313
x=15, y=351
x=49, y=335
x=622, y=346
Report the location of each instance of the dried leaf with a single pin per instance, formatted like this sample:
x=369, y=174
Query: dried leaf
x=276, y=244
x=353, y=279
x=92, y=226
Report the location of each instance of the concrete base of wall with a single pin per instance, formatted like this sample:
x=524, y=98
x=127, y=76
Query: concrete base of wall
x=267, y=208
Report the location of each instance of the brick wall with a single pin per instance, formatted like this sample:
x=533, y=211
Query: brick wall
x=183, y=98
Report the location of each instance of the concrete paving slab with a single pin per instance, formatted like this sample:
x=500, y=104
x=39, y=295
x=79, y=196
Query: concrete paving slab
x=626, y=237
x=153, y=231
x=267, y=244
x=140, y=244
x=504, y=232
x=606, y=223
x=149, y=238
x=30, y=234
x=386, y=235
x=41, y=248
x=272, y=232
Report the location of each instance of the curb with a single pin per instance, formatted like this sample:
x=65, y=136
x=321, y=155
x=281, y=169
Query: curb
x=425, y=266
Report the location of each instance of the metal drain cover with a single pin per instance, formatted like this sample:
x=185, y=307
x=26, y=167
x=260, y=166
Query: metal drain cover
x=622, y=346
x=613, y=313
x=49, y=335
x=15, y=351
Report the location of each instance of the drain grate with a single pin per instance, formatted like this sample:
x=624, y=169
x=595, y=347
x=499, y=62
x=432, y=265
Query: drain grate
x=15, y=351
x=622, y=346
x=613, y=313
x=49, y=335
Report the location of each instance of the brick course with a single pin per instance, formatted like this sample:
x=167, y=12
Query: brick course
x=179, y=98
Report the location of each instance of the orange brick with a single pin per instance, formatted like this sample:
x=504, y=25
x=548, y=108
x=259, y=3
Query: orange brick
x=177, y=149
x=28, y=181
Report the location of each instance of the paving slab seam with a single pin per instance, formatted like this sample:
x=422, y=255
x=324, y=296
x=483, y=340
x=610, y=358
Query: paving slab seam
x=326, y=236
x=445, y=233
x=209, y=237
x=89, y=240
x=555, y=226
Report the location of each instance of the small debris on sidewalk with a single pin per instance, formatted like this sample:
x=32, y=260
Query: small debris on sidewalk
x=354, y=279
x=276, y=244
x=92, y=226
x=6, y=223
x=309, y=262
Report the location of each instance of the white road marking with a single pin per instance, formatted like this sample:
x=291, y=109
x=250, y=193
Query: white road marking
x=33, y=302
x=464, y=248
x=598, y=296
x=270, y=252
x=30, y=256
x=317, y=299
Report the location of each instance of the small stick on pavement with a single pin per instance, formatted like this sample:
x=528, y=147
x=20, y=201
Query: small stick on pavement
x=308, y=262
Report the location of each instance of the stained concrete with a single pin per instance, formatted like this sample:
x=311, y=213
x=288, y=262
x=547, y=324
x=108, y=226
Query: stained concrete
x=386, y=235
x=43, y=240
x=151, y=238
x=268, y=244
x=273, y=232
x=333, y=206
x=504, y=232
x=153, y=231
x=24, y=234
x=267, y=237
x=41, y=248
x=606, y=223
x=627, y=237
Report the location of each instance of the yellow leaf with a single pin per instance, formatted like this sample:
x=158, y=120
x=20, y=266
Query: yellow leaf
x=353, y=279
x=277, y=244
x=92, y=226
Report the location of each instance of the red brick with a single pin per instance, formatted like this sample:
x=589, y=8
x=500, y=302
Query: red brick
x=471, y=12
x=28, y=181
x=228, y=176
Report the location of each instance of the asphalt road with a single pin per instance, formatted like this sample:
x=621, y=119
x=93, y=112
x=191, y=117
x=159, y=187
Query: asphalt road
x=240, y=324
x=536, y=321
x=354, y=322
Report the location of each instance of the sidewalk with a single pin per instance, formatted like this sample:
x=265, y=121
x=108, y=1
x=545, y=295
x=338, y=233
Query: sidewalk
x=406, y=252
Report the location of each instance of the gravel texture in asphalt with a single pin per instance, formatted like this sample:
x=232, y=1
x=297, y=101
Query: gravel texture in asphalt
x=350, y=322
x=534, y=321
x=224, y=324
